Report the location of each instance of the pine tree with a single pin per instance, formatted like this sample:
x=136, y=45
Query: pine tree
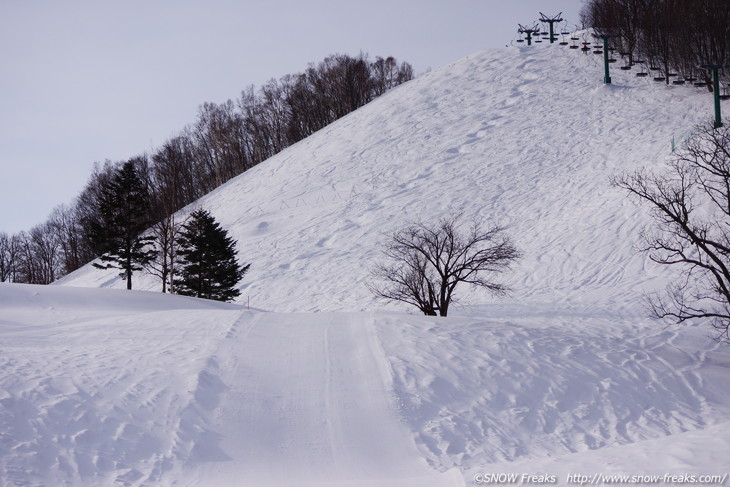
x=124, y=208
x=209, y=267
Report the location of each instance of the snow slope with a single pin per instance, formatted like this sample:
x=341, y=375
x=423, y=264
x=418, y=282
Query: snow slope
x=564, y=376
x=523, y=137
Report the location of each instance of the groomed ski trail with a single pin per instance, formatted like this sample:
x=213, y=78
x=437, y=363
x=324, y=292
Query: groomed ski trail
x=308, y=401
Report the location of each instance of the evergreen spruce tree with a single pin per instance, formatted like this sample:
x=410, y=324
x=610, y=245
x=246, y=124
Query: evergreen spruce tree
x=123, y=208
x=209, y=267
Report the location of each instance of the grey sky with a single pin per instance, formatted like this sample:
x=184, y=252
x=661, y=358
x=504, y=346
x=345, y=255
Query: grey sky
x=85, y=81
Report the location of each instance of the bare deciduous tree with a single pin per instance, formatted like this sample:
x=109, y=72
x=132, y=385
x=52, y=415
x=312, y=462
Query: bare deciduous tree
x=45, y=245
x=8, y=256
x=66, y=225
x=673, y=36
x=165, y=233
x=427, y=262
x=691, y=207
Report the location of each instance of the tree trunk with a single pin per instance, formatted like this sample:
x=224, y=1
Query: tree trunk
x=129, y=273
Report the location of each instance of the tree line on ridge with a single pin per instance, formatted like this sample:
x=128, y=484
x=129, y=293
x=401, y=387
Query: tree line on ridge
x=225, y=140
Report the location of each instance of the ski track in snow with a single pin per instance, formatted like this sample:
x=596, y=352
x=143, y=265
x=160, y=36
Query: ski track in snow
x=295, y=423
x=104, y=390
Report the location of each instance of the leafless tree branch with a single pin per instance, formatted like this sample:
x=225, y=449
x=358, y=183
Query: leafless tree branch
x=691, y=206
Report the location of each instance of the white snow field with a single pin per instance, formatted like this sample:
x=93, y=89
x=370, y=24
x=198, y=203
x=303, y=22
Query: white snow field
x=321, y=385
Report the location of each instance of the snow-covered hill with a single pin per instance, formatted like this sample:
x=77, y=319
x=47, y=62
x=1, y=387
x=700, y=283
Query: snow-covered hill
x=565, y=376
x=526, y=137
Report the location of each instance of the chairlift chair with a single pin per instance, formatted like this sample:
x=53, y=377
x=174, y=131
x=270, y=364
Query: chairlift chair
x=726, y=92
x=564, y=30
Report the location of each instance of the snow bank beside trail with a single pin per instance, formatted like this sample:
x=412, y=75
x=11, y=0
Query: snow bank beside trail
x=670, y=460
x=478, y=392
x=91, y=301
x=102, y=387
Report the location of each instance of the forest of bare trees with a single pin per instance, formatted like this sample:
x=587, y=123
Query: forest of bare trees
x=674, y=37
x=224, y=141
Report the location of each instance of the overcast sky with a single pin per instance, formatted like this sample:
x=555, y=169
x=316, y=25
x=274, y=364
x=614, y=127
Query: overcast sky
x=86, y=81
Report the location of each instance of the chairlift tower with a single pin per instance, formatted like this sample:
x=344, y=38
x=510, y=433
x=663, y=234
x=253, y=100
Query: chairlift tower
x=528, y=31
x=715, y=68
x=607, y=73
x=551, y=21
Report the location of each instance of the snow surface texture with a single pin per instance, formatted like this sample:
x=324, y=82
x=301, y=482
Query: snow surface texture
x=110, y=387
x=565, y=376
x=145, y=389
